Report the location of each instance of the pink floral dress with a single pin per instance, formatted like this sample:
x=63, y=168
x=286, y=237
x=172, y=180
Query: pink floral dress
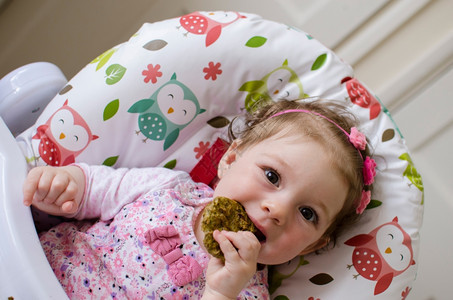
x=142, y=245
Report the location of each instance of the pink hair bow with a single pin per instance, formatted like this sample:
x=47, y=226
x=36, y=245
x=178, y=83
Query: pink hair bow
x=166, y=242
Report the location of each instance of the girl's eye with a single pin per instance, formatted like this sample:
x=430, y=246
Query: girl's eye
x=308, y=214
x=272, y=176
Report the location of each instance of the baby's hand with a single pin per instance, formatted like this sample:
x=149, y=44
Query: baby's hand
x=54, y=190
x=241, y=251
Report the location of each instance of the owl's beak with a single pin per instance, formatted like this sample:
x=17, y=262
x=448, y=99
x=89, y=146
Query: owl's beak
x=276, y=92
x=62, y=136
x=388, y=250
x=170, y=110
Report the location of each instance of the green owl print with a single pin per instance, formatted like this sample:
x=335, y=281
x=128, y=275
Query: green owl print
x=171, y=108
x=281, y=83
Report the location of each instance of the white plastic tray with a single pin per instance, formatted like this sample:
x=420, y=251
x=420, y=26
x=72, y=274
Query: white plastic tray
x=24, y=270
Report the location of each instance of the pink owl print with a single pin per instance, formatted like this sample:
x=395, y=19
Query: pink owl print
x=382, y=254
x=360, y=96
x=208, y=23
x=64, y=136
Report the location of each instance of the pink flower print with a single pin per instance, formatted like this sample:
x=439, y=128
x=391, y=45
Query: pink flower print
x=203, y=147
x=212, y=71
x=152, y=73
x=139, y=231
x=313, y=298
x=118, y=262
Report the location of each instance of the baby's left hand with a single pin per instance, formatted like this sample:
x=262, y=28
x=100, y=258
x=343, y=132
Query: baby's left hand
x=241, y=251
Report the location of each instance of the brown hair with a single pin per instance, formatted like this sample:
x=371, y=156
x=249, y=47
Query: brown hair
x=344, y=157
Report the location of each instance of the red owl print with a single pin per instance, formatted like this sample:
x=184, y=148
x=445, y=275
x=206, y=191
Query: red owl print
x=64, y=136
x=208, y=23
x=382, y=254
x=362, y=97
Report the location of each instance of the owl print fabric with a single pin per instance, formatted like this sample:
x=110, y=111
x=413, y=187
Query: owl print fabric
x=165, y=96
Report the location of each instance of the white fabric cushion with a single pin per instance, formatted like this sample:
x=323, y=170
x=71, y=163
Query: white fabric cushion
x=213, y=65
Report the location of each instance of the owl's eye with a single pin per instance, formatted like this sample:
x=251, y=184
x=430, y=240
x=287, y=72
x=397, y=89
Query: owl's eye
x=281, y=80
x=61, y=121
x=171, y=96
x=185, y=111
x=402, y=257
x=391, y=235
x=76, y=138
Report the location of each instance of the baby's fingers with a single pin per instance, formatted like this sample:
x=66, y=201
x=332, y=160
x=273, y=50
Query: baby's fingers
x=246, y=243
x=66, y=200
x=30, y=186
x=59, y=184
x=228, y=250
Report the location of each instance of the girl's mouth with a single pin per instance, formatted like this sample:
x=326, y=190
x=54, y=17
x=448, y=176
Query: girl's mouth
x=258, y=233
x=260, y=236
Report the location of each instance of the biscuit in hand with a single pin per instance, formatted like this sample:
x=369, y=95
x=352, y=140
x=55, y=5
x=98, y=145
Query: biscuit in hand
x=224, y=214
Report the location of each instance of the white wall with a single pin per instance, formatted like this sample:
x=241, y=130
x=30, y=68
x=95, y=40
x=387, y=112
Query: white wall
x=402, y=49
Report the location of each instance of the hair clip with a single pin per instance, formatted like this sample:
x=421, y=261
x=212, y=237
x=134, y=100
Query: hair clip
x=369, y=170
x=357, y=138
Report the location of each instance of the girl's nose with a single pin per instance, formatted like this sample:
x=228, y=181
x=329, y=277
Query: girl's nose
x=276, y=211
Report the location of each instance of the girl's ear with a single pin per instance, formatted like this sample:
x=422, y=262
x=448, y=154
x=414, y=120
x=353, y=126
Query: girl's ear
x=322, y=242
x=228, y=158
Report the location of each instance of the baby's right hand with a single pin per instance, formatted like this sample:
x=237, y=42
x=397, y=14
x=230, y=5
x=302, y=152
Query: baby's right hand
x=55, y=190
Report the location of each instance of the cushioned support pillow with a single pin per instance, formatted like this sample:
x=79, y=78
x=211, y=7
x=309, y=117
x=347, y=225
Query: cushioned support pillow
x=215, y=66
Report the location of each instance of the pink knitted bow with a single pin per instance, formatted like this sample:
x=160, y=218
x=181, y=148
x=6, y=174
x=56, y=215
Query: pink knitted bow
x=166, y=242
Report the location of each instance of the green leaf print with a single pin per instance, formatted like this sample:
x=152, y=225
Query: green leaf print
x=219, y=122
x=319, y=62
x=114, y=73
x=321, y=279
x=111, y=109
x=411, y=172
x=103, y=58
x=171, y=164
x=110, y=161
x=256, y=41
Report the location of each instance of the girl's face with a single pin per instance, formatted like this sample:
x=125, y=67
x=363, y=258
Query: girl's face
x=289, y=190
